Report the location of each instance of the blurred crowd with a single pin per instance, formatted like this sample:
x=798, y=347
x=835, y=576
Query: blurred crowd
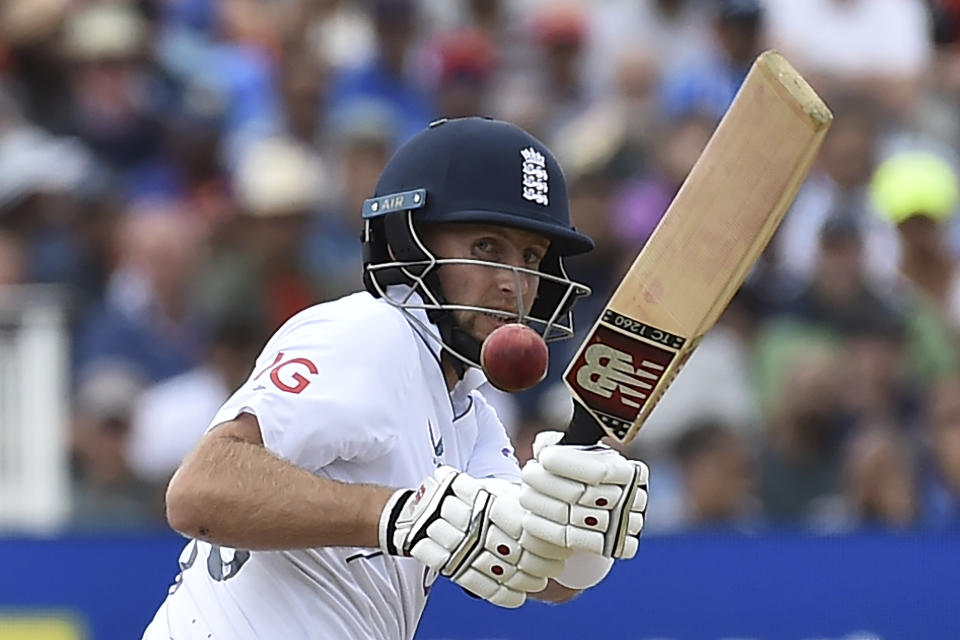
x=191, y=173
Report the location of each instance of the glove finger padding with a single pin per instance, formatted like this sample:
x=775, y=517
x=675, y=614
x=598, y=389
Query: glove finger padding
x=543, y=548
x=508, y=515
x=477, y=583
x=493, y=567
x=535, y=475
x=630, y=546
x=523, y=581
x=503, y=545
x=430, y=553
x=635, y=525
x=543, y=505
x=589, y=498
x=602, y=496
x=538, y=566
x=445, y=534
x=457, y=513
x=593, y=519
x=592, y=465
x=469, y=530
x=545, y=439
x=509, y=598
x=563, y=535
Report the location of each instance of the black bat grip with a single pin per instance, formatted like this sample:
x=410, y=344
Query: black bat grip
x=584, y=428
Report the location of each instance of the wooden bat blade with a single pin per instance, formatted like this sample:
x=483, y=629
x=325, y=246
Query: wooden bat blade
x=714, y=230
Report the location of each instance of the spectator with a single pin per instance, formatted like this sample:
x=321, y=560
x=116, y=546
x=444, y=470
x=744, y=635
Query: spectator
x=668, y=32
x=708, y=83
x=941, y=474
x=11, y=259
x=716, y=386
x=114, y=111
x=643, y=201
x=304, y=83
x=880, y=49
x=800, y=462
x=29, y=31
x=880, y=473
x=875, y=330
x=387, y=77
x=277, y=185
x=838, y=296
x=635, y=94
x=106, y=497
x=205, y=55
x=880, y=387
x=41, y=178
x=560, y=30
x=839, y=185
x=841, y=306
x=466, y=62
x=918, y=192
x=364, y=139
x=717, y=475
x=146, y=321
x=340, y=34
x=161, y=438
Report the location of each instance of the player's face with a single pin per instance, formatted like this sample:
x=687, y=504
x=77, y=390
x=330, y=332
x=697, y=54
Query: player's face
x=483, y=286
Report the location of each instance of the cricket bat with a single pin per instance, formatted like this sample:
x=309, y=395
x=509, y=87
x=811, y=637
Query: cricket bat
x=714, y=230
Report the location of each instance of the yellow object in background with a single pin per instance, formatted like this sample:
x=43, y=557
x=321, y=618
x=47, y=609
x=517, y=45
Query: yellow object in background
x=915, y=183
x=21, y=626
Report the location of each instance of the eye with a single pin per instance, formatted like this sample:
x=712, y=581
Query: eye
x=485, y=248
x=532, y=257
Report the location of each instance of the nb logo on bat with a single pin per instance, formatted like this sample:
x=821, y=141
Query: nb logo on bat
x=607, y=370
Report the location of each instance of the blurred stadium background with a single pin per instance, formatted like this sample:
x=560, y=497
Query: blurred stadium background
x=178, y=177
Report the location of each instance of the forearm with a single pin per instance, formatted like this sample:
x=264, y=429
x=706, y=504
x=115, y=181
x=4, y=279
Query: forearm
x=239, y=494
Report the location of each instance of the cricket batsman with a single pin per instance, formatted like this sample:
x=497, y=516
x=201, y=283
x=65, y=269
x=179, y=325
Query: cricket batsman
x=359, y=462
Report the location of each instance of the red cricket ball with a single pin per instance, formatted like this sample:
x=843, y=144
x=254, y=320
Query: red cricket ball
x=514, y=357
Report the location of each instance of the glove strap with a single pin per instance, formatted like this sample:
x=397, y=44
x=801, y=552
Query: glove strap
x=388, y=520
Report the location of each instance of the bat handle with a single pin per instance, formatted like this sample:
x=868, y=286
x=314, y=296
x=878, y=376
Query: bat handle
x=583, y=429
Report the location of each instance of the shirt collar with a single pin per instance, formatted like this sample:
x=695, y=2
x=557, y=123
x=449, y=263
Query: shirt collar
x=473, y=378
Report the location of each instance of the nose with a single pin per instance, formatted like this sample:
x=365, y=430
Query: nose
x=517, y=286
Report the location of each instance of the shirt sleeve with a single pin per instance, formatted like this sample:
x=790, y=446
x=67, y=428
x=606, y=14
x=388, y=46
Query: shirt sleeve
x=326, y=388
x=492, y=455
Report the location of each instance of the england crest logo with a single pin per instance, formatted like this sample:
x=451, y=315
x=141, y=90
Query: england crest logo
x=534, y=176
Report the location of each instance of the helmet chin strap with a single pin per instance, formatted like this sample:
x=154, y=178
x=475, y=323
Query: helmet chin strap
x=461, y=342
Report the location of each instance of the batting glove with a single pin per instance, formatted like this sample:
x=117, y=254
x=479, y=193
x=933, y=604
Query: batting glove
x=588, y=498
x=470, y=531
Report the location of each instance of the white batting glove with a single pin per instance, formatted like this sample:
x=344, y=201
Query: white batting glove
x=470, y=531
x=589, y=498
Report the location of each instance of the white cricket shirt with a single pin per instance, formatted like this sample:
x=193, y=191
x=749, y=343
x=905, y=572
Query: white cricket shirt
x=351, y=390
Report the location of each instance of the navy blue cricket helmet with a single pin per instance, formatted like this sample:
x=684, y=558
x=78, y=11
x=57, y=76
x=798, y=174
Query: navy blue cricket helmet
x=475, y=170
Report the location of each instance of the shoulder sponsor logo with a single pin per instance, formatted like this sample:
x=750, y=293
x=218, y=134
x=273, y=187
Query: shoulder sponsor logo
x=290, y=380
